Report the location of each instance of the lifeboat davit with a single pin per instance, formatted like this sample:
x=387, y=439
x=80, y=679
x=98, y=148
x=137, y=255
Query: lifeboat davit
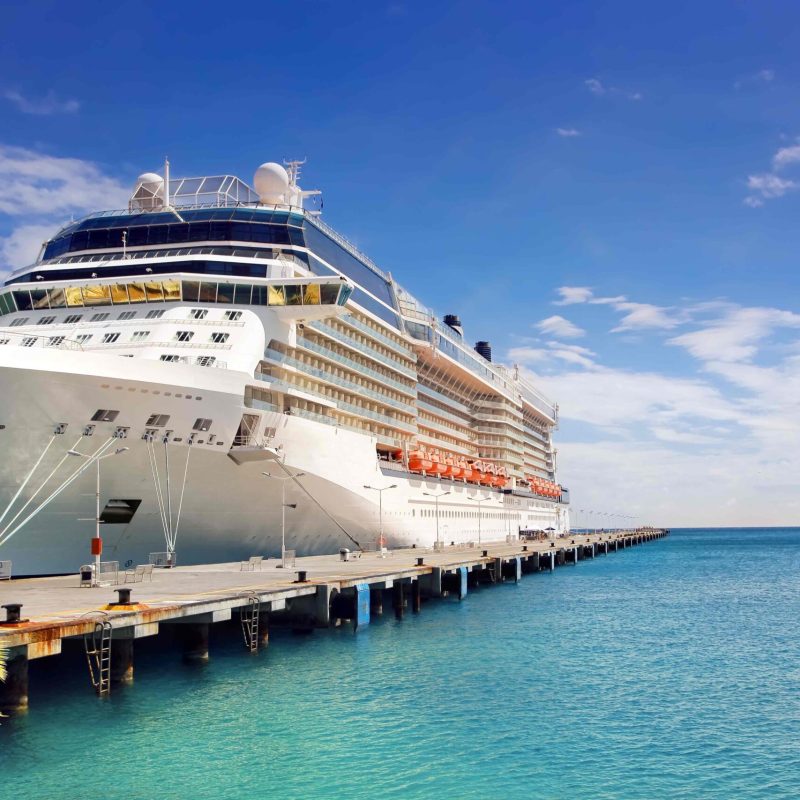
x=453, y=470
x=439, y=465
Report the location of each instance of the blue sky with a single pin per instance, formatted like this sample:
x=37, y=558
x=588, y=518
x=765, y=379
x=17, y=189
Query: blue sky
x=606, y=191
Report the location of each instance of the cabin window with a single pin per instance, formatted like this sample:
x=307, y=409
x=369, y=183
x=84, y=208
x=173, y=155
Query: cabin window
x=155, y=313
x=46, y=321
x=158, y=420
x=71, y=318
x=108, y=338
x=84, y=337
x=99, y=317
x=29, y=341
x=201, y=424
x=169, y=357
x=55, y=341
x=183, y=336
x=233, y=315
x=127, y=315
x=18, y=321
x=219, y=338
x=206, y=361
x=139, y=335
x=198, y=313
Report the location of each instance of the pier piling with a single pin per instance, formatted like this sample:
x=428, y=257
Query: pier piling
x=14, y=691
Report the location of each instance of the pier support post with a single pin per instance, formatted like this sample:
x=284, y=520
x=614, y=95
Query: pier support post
x=376, y=600
x=416, y=597
x=432, y=582
x=14, y=692
x=263, y=630
x=195, y=642
x=122, y=656
x=398, y=600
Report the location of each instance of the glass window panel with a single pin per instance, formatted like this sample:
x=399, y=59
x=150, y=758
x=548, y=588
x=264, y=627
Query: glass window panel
x=213, y=184
x=242, y=293
x=191, y=291
x=23, y=300
x=39, y=298
x=225, y=293
x=97, y=295
x=294, y=295
x=153, y=291
x=277, y=297
x=119, y=293
x=172, y=291
x=136, y=292
x=329, y=291
x=208, y=292
x=190, y=186
x=74, y=296
x=56, y=297
x=259, y=296
x=311, y=294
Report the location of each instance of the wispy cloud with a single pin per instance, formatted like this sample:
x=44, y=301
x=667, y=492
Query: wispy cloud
x=568, y=132
x=760, y=77
x=559, y=326
x=38, y=190
x=572, y=294
x=638, y=316
x=786, y=156
x=769, y=185
x=598, y=88
x=41, y=106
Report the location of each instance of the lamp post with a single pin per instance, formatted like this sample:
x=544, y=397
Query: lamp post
x=479, y=500
x=380, y=492
x=284, y=506
x=98, y=548
x=436, y=498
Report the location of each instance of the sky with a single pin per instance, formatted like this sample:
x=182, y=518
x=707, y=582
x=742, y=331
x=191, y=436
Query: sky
x=607, y=191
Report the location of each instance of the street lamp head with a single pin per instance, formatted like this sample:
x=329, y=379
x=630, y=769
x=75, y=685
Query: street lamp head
x=75, y=453
x=393, y=486
x=121, y=450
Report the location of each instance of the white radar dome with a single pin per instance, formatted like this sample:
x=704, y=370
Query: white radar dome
x=271, y=182
x=149, y=191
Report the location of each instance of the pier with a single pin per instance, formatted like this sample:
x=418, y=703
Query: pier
x=318, y=592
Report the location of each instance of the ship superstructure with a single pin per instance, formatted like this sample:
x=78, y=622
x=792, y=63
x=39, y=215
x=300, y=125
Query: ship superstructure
x=224, y=332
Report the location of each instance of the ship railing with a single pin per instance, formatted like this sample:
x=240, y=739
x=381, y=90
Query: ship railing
x=19, y=339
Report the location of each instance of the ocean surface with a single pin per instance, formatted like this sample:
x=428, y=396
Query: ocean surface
x=669, y=670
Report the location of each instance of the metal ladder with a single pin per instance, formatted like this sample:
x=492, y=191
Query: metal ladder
x=249, y=617
x=98, y=657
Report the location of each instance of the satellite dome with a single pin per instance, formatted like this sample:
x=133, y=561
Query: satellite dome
x=271, y=182
x=148, y=191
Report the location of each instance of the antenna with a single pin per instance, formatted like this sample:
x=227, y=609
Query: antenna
x=124, y=244
x=166, y=182
x=293, y=168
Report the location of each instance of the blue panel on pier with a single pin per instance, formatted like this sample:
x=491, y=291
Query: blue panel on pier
x=462, y=586
x=518, y=573
x=362, y=604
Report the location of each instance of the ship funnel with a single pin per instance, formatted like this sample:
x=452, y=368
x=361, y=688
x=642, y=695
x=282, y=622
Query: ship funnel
x=452, y=321
x=484, y=349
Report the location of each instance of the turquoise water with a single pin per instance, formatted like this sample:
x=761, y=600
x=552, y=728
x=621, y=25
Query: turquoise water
x=669, y=670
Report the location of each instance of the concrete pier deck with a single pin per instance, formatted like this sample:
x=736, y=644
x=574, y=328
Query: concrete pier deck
x=317, y=592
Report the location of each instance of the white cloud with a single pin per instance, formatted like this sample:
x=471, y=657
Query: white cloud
x=643, y=315
x=786, y=156
x=36, y=183
x=770, y=185
x=44, y=106
x=597, y=87
x=766, y=75
x=572, y=294
x=735, y=336
x=594, y=86
x=568, y=132
x=38, y=191
x=559, y=326
x=23, y=244
x=762, y=76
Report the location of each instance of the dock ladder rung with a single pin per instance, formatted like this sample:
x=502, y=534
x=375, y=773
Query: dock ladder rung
x=249, y=616
x=98, y=657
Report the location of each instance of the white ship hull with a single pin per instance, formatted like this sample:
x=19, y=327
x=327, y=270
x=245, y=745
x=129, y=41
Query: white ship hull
x=228, y=510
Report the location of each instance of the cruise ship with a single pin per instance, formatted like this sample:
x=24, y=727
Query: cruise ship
x=238, y=379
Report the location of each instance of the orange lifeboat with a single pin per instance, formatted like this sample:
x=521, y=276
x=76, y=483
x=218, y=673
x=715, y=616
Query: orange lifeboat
x=453, y=469
x=487, y=479
x=439, y=465
x=418, y=461
x=478, y=470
